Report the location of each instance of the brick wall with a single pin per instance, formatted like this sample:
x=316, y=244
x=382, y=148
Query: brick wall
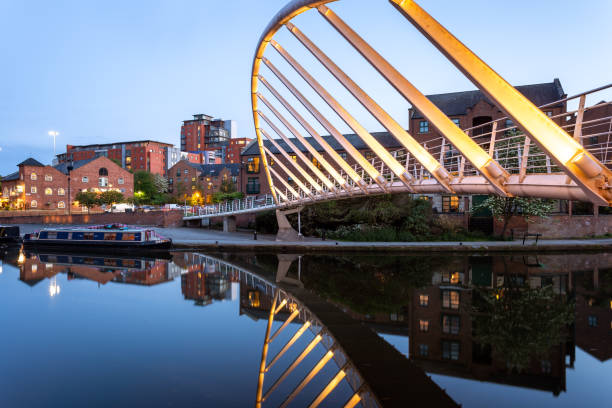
x=157, y=218
x=560, y=226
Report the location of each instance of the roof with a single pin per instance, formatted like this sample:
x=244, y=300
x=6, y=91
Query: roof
x=31, y=162
x=457, y=103
x=385, y=138
x=11, y=177
x=63, y=167
x=72, y=147
x=215, y=169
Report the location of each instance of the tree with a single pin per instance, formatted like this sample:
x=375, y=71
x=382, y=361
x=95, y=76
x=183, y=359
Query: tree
x=144, y=183
x=110, y=197
x=87, y=199
x=160, y=183
x=504, y=208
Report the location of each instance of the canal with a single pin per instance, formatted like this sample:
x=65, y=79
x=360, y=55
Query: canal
x=189, y=330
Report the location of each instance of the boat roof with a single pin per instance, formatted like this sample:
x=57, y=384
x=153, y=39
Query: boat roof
x=97, y=229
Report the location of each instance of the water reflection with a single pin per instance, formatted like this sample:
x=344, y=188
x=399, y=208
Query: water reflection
x=514, y=320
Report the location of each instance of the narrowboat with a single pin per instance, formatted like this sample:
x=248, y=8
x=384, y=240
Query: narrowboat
x=9, y=234
x=113, y=237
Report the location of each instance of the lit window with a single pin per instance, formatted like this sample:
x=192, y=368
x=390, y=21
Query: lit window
x=85, y=179
x=33, y=176
x=316, y=163
x=450, y=324
x=450, y=299
x=423, y=350
x=193, y=179
x=34, y=204
x=48, y=177
x=48, y=191
x=61, y=191
x=20, y=189
x=450, y=350
x=61, y=204
x=450, y=204
x=424, y=300
x=33, y=190
x=424, y=325
x=423, y=126
x=252, y=165
x=193, y=187
x=293, y=157
x=369, y=155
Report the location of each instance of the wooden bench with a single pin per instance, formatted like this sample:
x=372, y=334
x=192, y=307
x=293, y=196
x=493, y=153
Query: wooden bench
x=531, y=234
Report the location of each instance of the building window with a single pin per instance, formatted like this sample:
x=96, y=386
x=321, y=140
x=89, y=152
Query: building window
x=85, y=179
x=424, y=300
x=592, y=321
x=369, y=155
x=33, y=204
x=193, y=187
x=456, y=121
x=252, y=186
x=450, y=350
x=549, y=113
x=61, y=191
x=193, y=179
x=450, y=299
x=252, y=165
x=170, y=180
x=424, y=325
x=293, y=157
x=48, y=177
x=423, y=126
x=316, y=163
x=185, y=171
x=48, y=191
x=546, y=367
x=342, y=155
x=450, y=204
x=450, y=324
x=453, y=278
x=33, y=190
x=103, y=181
x=33, y=176
x=61, y=204
x=120, y=180
x=102, y=172
x=509, y=125
x=423, y=350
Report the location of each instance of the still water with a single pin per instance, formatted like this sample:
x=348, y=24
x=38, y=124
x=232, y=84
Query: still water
x=189, y=330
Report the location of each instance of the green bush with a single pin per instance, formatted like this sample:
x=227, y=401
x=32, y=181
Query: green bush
x=266, y=223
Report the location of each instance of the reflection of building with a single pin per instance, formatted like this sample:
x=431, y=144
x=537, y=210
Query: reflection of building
x=441, y=317
x=156, y=272
x=203, y=283
x=594, y=313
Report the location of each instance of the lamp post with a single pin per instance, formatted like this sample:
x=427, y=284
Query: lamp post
x=53, y=134
x=69, y=168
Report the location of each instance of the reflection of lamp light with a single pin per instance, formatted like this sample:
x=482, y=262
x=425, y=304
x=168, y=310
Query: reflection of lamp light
x=1, y=274
x=54, y=288
x=21, y=258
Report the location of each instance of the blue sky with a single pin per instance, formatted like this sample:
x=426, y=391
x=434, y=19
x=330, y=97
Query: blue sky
x=104, y=71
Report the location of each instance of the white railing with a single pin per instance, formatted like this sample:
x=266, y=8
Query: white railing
x=247, y=204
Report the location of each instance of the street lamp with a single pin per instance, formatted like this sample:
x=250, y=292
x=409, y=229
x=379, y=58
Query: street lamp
x=53, y=134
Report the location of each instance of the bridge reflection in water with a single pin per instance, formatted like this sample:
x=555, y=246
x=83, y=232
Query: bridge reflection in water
x=454, y=310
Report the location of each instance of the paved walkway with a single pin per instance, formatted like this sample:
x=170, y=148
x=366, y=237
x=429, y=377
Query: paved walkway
x=205, y=239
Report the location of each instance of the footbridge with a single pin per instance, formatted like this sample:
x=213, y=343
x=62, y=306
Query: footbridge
x=526, y=153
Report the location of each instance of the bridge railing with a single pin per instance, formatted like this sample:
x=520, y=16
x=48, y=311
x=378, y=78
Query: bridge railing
x=234, y=206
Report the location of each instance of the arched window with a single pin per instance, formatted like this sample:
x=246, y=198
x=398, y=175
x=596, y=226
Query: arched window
x=61, y=191
x=33, y=176
x=33, y=204
x=103, y=171
x=48, y=191
x=61, y=204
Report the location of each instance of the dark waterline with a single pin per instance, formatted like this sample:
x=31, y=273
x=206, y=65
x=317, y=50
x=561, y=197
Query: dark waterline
x=189, y=331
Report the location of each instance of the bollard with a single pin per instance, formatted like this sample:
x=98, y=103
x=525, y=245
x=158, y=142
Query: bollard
x=255, y=235
x=323, y=236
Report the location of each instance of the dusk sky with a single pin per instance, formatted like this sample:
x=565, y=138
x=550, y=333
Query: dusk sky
x=106, y=71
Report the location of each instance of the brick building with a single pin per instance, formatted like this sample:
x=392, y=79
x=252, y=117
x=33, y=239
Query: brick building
x=232, y=154
x=141, y=155
x=42, y=187
x=186, y=179
x=472, y=108
x=203, y=132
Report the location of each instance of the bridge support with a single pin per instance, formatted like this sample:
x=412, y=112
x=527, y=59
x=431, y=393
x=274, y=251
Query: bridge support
x=285, y=230
x=229, y=223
